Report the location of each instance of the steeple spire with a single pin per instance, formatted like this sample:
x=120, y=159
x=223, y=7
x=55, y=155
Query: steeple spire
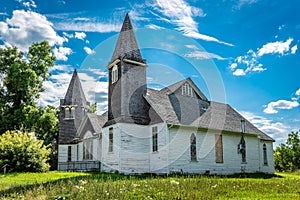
x=75, y=91
x=72, y=110
x=127, y=46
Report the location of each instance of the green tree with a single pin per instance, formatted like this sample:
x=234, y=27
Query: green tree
x=93, y=108
x=287, y=156
x=21, y=81
x=22, y=152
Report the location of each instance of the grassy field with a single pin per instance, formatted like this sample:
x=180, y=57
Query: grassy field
x=57, y=185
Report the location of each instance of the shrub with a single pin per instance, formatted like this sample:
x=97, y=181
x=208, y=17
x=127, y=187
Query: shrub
x=22, y=152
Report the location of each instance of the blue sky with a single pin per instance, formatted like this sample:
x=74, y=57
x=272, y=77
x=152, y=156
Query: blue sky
x=241, y=52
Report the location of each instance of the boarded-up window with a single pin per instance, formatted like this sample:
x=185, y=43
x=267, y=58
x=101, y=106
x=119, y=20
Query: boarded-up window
x=265, y=154
x=219, y=148
x=69, y=153
x=193, y=148
x=110, y=140
x=88, y=150
x=154, y=139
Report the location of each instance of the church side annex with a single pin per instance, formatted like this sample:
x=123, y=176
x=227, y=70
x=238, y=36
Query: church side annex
x=175, y=129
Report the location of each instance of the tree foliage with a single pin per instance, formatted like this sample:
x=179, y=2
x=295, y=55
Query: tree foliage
x=93, y=108
x=21, y=81
x=22, y=152
x=287, y=156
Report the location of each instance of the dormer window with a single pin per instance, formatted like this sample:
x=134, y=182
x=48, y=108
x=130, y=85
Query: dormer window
x=187, y=90
x=114, y=74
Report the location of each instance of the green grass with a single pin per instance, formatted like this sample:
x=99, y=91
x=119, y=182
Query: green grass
x=56, y=185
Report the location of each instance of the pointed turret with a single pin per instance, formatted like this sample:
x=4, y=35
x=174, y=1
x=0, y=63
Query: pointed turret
x=127, y=80
x=75, y=92
x=72, y=110
x=127, y=46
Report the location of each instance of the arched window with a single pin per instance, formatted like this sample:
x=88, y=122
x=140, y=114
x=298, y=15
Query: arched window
x=242, y=149
x=69, y=112
x=193, y=148
x=265, y=154
x=114, y=74
x=88, y=150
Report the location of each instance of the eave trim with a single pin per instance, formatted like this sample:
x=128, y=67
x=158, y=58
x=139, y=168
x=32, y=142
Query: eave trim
x=134, y=62
x=113, y=63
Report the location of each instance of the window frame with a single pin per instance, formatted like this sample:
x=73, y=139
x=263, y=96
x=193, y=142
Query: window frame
x=154, y=139
x=265, y=154
x=110, y=140
x=88, y=150
x=219, y=148
x=187, y=90
x=69, y=153
x=69, y=112
x=114, y=74
x=193, y=147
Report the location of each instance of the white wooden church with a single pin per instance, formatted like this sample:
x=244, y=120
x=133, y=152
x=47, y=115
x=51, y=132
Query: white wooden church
x=175, y=129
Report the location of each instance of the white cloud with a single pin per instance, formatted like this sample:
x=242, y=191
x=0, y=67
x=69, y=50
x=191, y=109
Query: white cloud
x=192, y=46
x=273, y=107
x=233, y=66
x=294, y=49
x=55, y=88
x=57, y=85
x=298, y=92
x=239, y=72
x=241, y=3
x=82, y=19
x=277, y=47
x=61, y=53
x=89, y=50
x=95, y=90
x=154, y=27
x=29, y=4
x=88, y=27
x=181, y=14
x=281, y=27
x=80, y=35
x=250, y=62
x=26, y=27
x=203, y=55
x=277, y=130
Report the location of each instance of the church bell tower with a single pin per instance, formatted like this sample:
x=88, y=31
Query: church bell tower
x=127, y=80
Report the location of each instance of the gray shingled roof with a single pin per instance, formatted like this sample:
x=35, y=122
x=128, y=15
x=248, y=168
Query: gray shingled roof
x=218, y=116
x=172, y=88
x=75, y=90
x=127, y=46
x=160, y=102
x=97, y=121
x=221, y=116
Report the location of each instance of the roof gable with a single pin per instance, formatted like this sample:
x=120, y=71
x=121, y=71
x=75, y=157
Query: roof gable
x=92, y=123
x=176, y=86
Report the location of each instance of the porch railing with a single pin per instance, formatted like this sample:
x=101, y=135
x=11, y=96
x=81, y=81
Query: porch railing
x=79, y=166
